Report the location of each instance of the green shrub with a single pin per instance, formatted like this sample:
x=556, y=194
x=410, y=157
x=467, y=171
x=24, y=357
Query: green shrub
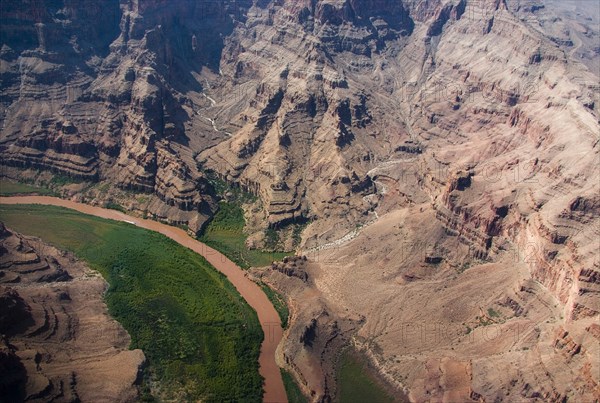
x=279, y=304
x=356, y=383
x=9, y=188
x=115, y=206
x=225, y=233
x=200, y=338
x=292, y=389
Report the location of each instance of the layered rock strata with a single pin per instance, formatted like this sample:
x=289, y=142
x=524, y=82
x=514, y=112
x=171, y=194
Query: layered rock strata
x=58, y=341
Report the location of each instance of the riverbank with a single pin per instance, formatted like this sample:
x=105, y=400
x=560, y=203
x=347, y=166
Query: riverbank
x=250, y=291
x=358, y=381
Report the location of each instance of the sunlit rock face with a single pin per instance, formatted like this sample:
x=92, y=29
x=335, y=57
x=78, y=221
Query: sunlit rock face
x=420, y=141
x=99, y=93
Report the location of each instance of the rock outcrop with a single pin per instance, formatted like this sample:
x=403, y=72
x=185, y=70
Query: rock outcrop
x=58, y=341
x=316, y=332
x=292, y=266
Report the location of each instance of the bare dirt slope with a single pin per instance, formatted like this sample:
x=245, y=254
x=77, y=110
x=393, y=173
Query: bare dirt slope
x=58, y=341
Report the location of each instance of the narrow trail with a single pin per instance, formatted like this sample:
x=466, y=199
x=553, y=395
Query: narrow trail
x=212, y=120
x=274, y=391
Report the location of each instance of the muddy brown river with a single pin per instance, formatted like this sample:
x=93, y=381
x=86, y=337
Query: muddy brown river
x=250, y=291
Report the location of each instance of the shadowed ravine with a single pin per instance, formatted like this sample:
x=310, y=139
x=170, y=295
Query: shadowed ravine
x=250, y=291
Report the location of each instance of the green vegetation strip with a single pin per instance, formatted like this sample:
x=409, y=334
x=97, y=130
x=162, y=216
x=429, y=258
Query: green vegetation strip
x=356, y=383
x=200, y=337
x=278, y=303
x=8, y=188
x=225, y=233
x=294, y=393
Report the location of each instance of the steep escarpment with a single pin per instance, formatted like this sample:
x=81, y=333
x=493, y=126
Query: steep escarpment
x=295, y=101
x=317, y=331
x=498, y=133
x=511, y=164
x=490, y=205
x=482, y=128
x=311, y=159
x=99, y=94
x=58, y=341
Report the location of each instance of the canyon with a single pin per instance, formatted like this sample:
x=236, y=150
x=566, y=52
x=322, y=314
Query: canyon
x=267, y=315
x=440, y=158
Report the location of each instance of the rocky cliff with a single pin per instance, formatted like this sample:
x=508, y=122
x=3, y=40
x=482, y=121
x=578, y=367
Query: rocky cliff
x=101, y=94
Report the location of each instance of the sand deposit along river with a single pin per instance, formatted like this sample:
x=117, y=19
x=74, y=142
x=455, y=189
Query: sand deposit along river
x=250, y=291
